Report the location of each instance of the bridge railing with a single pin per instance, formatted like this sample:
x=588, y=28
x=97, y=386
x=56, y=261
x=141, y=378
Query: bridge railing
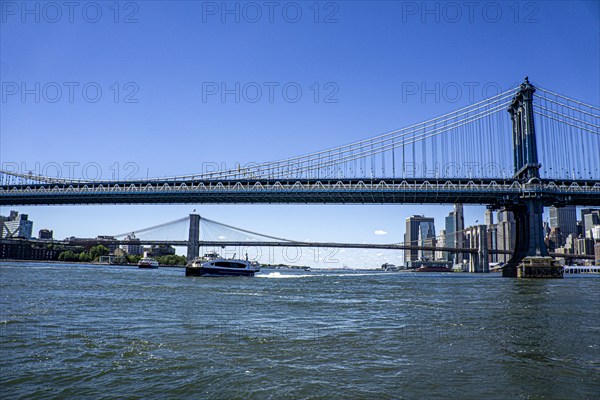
x=295, y=186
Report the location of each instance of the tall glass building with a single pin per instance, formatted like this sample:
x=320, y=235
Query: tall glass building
x=418, y=229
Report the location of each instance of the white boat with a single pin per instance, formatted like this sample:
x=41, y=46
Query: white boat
x=587, y=269
x=148, y=262
x=221, y=267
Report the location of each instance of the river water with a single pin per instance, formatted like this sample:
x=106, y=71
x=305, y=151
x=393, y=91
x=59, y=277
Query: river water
x=86, y=331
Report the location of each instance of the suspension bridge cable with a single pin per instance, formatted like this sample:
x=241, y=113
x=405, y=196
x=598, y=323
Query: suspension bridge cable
x=311, y=156
x=266, y=167
x=416, y=138
x=568, y=116
x=247, y=231
x=384, y=147
x=566, y=106
x=453, y=114
x=566, y=123
x=568, y=98
x=155, y=227
x=259, y=170
x=318, y=163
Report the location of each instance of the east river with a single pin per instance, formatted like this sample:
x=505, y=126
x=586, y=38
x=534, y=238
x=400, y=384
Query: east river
x=88, y=331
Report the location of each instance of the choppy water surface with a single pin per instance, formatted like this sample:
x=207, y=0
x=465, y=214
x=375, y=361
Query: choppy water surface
x=103, y=332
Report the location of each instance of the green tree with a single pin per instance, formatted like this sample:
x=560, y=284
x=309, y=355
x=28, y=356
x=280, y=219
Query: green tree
x=85, y=257
x=67, y=256
x=172, y=259
x=133, y=259
x=97, y=251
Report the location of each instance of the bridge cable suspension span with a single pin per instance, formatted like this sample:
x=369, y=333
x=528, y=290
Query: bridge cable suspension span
x=164, y=224
x=357, y=150
x=246, y=231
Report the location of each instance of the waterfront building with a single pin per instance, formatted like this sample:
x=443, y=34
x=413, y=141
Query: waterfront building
x=119, y=253
x=579, y=228
x=592, y=219
x=597, y=252
x=22, y=249
x=133, y=249
x=2, y=230
x=112, y=247
x=585, y=246
x=571, y=244
x=17, y=225
x=418, y=229
x=565, y=219
x=45, y=234
x=555, y=239
x=595, y=232
x=159, y=250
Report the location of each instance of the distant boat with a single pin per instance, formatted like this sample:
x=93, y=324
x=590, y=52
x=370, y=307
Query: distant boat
x=147, y=262
x=221, y=267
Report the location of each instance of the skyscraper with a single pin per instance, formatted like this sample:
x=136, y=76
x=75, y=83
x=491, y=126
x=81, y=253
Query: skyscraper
x=418, y=229
x=455, y=225
x=564, y=218
x=441, y=255
x=506, y=233
x=590, y=220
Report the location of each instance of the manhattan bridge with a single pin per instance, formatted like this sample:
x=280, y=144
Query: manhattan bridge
x=545, y=151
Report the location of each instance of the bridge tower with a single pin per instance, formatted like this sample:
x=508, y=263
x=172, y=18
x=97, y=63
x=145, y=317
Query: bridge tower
x=523, y=133
x=478, y=262
x=528, y=209
x=194, y=237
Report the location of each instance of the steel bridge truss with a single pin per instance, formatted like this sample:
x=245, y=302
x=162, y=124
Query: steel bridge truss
x=442, y=191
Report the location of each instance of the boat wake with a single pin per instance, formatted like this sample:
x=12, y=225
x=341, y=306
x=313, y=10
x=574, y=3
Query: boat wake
x=279, y=275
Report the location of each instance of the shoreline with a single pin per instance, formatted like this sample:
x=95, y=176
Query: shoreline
x=3, y=260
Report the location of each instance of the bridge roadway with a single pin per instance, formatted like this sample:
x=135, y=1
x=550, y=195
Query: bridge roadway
x=184, y=243
x=319, y=191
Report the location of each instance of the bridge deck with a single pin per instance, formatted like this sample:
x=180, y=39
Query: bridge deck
x=332, y=191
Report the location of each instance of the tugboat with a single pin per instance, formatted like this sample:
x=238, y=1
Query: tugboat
x=148, y=263
x=218, y=266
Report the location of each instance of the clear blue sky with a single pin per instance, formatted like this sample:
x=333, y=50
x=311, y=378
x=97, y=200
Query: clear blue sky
x=360, y=55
